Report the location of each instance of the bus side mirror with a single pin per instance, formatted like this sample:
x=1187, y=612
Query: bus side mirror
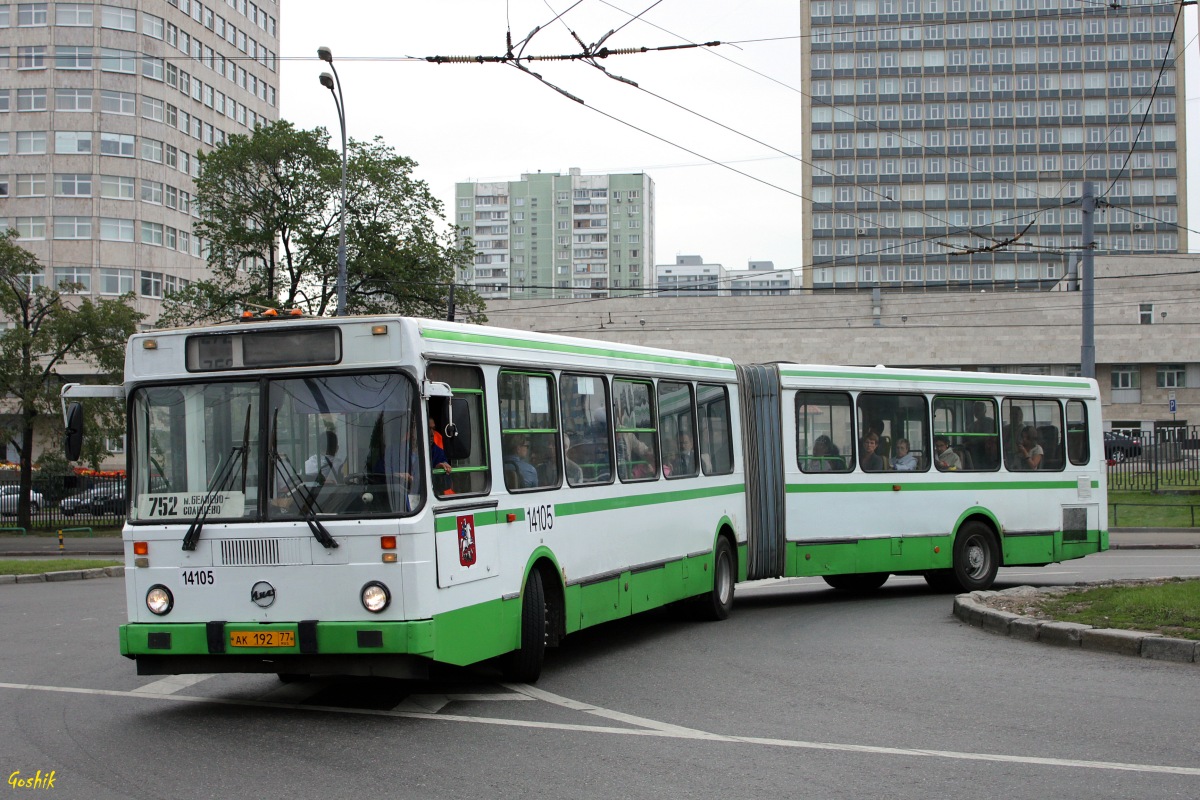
x=73, y=438
x=458, y=431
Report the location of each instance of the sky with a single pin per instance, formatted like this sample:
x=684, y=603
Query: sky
x=737, y=104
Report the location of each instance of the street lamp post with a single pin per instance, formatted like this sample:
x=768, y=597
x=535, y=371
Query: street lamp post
x=330, y=82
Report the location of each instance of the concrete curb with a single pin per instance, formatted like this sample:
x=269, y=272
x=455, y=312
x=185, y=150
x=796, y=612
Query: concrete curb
x=973, y=609
x=65, y=575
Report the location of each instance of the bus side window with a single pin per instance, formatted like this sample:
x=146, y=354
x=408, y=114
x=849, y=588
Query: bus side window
x=529, y=431
x=716, y=448
x=677, y=429
x=469, y=474
x=636, y=435
x=587, y=435
x=1077, y=433
x=824, y=431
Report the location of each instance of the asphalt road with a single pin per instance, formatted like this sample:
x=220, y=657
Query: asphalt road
x=802, y=693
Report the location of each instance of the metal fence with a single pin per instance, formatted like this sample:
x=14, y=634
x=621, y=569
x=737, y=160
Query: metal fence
x=1169, y=461
x=70, y=502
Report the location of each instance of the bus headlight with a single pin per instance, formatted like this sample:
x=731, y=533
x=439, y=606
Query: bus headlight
x=375, y=597
x=159, y=600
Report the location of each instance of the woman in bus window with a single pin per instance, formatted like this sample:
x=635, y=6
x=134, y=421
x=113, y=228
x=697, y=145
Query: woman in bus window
x=1029, y=451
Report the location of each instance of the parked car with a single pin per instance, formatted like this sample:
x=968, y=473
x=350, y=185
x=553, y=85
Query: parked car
x=1118, y=447
x=10, y=498
x=97, y=500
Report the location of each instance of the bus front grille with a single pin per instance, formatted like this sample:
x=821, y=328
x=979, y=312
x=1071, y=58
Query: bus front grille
x=261, y=552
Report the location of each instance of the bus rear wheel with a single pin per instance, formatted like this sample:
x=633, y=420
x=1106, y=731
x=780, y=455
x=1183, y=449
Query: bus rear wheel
x=976, y=560
x=859, y=583
x=524, y=664
x=716, y=604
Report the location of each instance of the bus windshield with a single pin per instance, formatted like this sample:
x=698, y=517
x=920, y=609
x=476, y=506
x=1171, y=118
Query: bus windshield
x=324, y=446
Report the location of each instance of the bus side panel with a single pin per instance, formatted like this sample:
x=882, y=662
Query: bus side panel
x=478, y=632
x=603, y=601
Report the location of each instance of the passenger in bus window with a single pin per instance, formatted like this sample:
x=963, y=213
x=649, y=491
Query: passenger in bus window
x=868, y=459
x=573, y=471
x=946, y=459
x=643, y=463
x=904, y=461
x=825, y=456
x=325, y=468
x=685, y=462
x=1029, y=451
x=518, y=472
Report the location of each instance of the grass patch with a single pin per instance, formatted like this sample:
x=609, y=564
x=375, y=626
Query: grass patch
x=1149, y=510
x=35, y=566
x=1171, y=608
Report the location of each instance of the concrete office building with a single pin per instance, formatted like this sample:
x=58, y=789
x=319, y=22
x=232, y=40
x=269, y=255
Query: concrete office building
x=691, y=275
x=936, y=127
x=553, y=235
x=761, y=278
x=103, y=110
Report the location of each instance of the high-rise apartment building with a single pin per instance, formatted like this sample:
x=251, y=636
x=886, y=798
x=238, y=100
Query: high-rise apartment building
x=103, y=110
x=553, y=235
x=949, y=139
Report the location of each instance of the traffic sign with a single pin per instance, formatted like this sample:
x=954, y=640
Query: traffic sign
x=1171, y=401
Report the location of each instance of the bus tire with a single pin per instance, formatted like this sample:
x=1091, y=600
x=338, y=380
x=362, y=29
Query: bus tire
x=524, y=665
x=976, y=557
x=860, y=583
x=716, y=604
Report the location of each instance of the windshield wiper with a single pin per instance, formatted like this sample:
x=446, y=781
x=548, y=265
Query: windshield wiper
x=225, y=471
x=296, y=487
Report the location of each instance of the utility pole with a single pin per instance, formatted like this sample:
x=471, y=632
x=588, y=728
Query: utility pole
x=1087, y=350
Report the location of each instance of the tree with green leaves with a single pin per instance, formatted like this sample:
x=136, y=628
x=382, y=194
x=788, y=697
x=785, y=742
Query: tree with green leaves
x=50, y=330
x=271, y=205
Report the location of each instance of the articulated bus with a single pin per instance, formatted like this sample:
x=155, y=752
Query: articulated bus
x=373, y=495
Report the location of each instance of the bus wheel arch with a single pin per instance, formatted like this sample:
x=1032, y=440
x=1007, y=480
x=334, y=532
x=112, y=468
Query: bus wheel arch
x=976, y=555
x=542, y=622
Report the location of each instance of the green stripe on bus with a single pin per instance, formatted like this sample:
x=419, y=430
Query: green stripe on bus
x=940, y=486
x=450, y=523
x=633, y=501
x=558, y=347
x=1066, y=383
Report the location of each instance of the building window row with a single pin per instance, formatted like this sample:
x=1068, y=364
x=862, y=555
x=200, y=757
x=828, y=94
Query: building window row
x=105, y=229
x=1018, y=190
x=870, y=8
x=113, y=281
x=107, y=59
x=868, y=246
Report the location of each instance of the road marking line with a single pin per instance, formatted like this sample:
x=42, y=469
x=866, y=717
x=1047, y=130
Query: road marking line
x=618, y=716
x=433, y=703
x=663, y=731
x=171, y=684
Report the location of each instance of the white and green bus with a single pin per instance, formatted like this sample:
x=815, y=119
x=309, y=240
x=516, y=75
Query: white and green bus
x=371, y=495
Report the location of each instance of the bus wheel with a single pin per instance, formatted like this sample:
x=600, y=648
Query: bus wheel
x=858, y=584
x=524, y=664
x=716, y=604
x=976, y=557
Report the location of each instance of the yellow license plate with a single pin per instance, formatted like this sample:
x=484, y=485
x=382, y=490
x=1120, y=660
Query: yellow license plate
x=262, y=638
